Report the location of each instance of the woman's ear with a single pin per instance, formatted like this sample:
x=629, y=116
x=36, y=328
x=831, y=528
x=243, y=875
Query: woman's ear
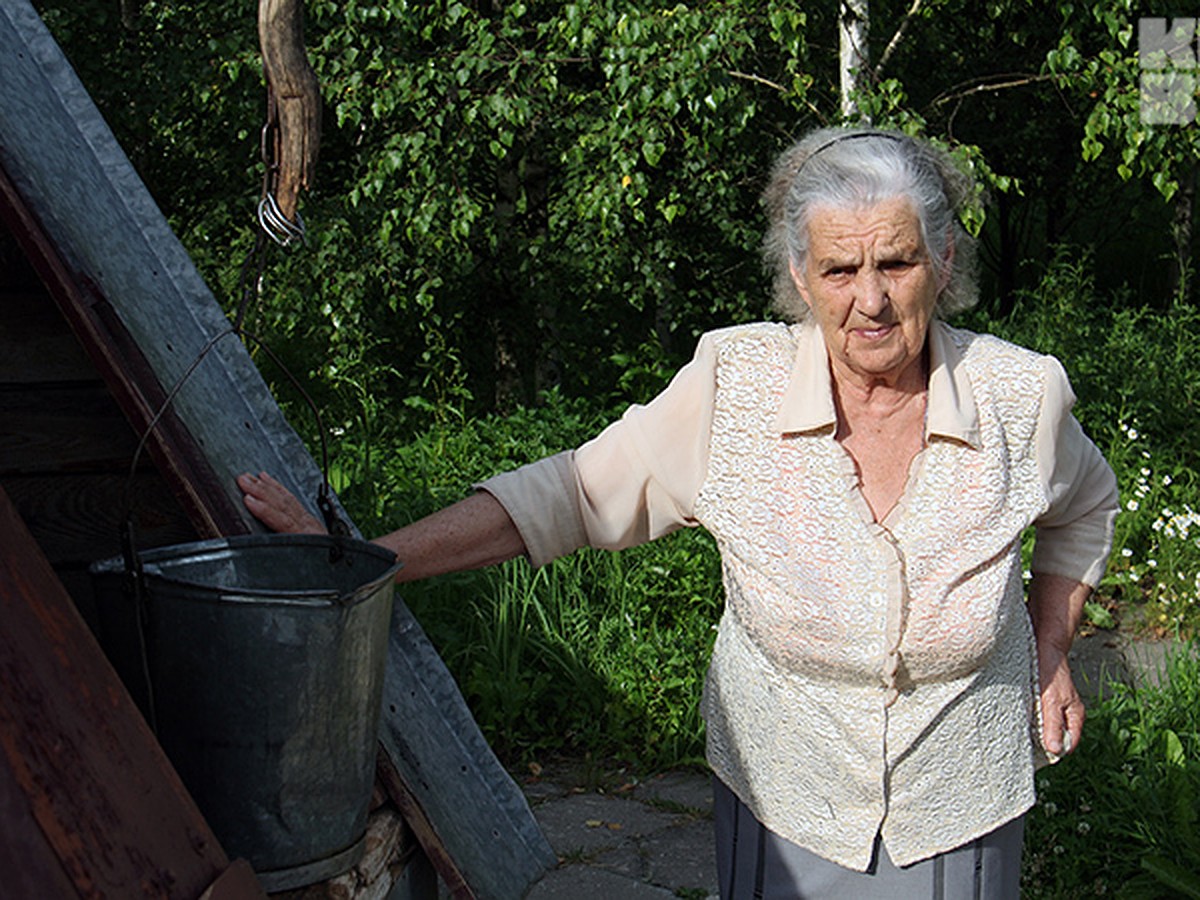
x=947, y=261
x=798, y=280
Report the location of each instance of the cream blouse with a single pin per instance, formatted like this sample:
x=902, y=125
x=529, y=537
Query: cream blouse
x=867, y=678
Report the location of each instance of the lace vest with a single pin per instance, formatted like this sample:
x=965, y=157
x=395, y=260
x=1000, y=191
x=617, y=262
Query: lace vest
x=867, y=679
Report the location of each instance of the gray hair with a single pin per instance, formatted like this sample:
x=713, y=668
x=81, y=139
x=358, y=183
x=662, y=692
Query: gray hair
x=851, y=168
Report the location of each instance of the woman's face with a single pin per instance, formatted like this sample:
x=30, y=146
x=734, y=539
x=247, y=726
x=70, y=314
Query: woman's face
x=871, y=288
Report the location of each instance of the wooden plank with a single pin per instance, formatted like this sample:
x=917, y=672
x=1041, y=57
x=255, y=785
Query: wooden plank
x=474, y=809
x=31, y=867
x=130, y=380
x=35, y=343
x=63, y=428
x=98, y=786
x=426, y=834
x=76, y=519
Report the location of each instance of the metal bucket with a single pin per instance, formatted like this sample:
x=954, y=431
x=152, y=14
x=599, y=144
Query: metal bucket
x=259, y=661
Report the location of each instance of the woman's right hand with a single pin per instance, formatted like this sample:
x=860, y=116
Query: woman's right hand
x=275, y=506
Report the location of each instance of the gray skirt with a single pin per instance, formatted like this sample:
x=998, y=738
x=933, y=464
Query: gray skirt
x=756, y=864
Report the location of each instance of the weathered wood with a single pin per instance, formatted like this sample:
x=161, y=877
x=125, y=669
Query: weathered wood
x=476, y=812
x=109, y=258
x=77, y=518
x=50, y=429
x=296, y=99
x=98, y=786
x=35, y=343
x=31, y=867
x=130, y=292
x=130, y=380
x=426, y=834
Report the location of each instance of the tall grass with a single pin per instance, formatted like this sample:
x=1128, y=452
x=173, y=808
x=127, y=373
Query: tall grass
x=1120, y=816
x=601, y=653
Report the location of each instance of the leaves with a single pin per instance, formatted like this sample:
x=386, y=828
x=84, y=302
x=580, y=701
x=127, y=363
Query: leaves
x=505, y=187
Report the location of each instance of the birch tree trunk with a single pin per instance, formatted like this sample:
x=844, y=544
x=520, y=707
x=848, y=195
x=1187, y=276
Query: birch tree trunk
x=854, y=17
x=1182, y=231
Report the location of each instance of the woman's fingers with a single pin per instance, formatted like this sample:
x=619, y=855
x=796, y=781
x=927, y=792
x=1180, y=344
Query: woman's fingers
x=275, y=506
x=1062, y=709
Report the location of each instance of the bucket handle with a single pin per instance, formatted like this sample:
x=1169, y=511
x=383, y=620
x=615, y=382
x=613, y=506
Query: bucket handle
x=333, y=522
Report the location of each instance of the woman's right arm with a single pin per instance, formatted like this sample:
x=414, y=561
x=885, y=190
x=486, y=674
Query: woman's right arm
x=470, y=534
x=634, y=482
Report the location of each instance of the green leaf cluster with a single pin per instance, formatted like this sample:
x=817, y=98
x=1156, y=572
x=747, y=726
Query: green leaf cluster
x=513, y=196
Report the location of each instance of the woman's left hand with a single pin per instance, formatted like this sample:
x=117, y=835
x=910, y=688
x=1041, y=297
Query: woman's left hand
x=1055, y=608
x=1062, y=708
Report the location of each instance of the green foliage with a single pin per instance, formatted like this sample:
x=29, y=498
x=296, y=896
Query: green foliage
x=516, y=196
x=1097, y=57
x=1134, y=372
x=598, y=651
x=1119, y=816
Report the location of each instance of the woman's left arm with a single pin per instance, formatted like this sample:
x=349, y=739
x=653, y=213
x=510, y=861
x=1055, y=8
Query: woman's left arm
x=1073, y=539
x=1056, y=607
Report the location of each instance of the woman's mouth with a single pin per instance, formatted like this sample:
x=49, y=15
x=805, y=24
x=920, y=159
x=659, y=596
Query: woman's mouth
x=874, y=333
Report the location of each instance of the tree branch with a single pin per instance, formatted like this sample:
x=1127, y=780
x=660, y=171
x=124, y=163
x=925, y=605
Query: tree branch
x=891, y=47
x=758, y=79
x=983, y=86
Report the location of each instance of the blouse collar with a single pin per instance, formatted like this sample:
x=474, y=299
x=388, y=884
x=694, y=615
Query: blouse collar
x=950, y=412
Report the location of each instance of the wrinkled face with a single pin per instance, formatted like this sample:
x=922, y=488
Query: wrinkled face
x=872, y=288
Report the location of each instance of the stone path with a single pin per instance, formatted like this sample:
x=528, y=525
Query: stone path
x=621, y=838
x=630, y=840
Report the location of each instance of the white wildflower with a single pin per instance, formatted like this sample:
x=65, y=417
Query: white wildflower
x=1131, y=505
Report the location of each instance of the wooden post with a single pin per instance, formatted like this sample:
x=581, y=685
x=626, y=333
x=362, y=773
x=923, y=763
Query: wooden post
x=295, y=99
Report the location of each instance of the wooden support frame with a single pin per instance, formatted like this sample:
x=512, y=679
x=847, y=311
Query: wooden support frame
x=91, y=803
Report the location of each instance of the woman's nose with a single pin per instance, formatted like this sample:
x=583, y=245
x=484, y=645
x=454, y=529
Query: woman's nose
x=872, y=292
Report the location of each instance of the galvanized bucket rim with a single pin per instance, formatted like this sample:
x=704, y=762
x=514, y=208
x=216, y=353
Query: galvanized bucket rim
x=153, y=560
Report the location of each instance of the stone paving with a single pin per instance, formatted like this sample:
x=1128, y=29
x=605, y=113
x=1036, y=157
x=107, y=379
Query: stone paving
x=623, y=838
x=635, y=839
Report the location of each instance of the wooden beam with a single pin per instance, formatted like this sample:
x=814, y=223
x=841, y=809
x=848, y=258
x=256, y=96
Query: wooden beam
x=127, y=373
x=423, y=829
x=59, y=428
x=97, y=786
x=295, y=99
x=473, y=822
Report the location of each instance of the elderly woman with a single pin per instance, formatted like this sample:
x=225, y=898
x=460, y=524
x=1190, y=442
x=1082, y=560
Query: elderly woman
x=880, y=691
